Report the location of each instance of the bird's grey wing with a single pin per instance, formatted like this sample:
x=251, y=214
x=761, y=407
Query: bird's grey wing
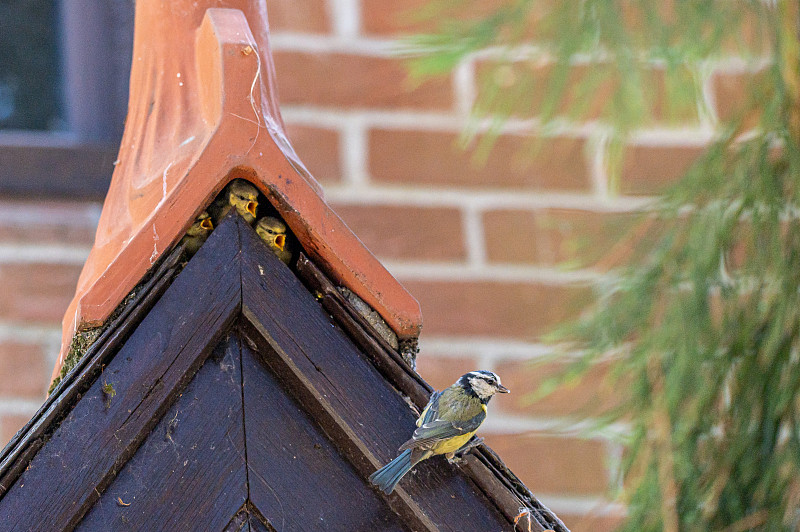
x=431, y=410
x=440, y=429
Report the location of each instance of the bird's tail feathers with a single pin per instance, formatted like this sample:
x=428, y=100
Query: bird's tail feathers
x=387, y=477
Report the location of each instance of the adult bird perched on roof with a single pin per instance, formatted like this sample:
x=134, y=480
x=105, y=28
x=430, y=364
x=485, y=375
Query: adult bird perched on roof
x=239, y=194
x=197, y=234
x=445, y=426
x=273, y=232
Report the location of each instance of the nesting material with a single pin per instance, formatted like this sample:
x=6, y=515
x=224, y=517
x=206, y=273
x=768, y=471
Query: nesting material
x=372, y=317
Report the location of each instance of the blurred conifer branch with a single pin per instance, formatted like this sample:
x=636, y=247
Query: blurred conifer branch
x=703, y=320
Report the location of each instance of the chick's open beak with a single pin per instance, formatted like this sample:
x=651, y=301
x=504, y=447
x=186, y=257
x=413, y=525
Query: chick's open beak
x=502, y=389
x=280, y=241
x=251, y=207
x=207, y=224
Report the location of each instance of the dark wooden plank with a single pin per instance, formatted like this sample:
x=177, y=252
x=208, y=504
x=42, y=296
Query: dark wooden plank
x=29, y=439
x=239, y=522
x=190, y=473
x=341, y=380
x=257, y=522
x=249, y=519
x=298, y=480
x=388, y=361
x=101, y=432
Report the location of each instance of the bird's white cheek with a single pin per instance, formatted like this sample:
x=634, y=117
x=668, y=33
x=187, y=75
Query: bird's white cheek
x=482, y=388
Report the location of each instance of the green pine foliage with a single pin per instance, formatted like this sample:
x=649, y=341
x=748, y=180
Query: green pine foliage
x=702, y=326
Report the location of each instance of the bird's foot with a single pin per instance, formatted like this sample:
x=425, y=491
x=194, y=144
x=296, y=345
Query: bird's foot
x=453, y=458
x=471, y=444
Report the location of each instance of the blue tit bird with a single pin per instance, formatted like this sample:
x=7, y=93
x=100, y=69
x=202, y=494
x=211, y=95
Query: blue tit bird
x=197, y=234
x=273, y=232
x=446, y=426
x=239, y=195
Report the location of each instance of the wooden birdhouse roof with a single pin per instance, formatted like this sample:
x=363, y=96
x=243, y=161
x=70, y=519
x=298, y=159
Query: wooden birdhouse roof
x=227, y=394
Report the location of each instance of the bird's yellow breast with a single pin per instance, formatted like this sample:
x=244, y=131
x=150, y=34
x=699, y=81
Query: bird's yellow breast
x=453, y=444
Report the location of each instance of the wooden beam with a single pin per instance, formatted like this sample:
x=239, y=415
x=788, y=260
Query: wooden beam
x=388, y=361
x=103, y=430
x=191, y=470
x=288, y=453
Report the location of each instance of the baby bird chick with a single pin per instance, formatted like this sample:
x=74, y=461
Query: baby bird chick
x=197, y=233
x=273, y=232
x=239, y=194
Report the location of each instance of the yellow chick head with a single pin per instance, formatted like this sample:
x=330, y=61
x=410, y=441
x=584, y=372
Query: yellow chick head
x=202, y=226
x=273, y=232
x=244, y=198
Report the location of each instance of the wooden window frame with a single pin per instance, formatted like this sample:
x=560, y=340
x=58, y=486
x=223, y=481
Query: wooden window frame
x=95, y=46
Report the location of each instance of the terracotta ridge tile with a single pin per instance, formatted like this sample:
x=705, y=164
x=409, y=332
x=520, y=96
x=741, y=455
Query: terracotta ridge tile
x=203, y=111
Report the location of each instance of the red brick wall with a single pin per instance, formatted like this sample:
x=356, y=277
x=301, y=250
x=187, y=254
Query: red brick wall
x=479, y=245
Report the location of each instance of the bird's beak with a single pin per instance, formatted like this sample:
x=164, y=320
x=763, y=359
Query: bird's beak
x=207, y=224
x=280, y=241
x=251, y=207
x=502, y=389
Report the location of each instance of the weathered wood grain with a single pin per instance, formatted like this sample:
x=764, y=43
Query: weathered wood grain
x=341, y=379
x=257, y=521
x=298, y=480
x=388, y=361
x=102, y=432
x=239, y=522
x=190, y=473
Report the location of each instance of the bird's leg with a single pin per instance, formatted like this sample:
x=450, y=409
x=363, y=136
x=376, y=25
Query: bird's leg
x=458, y=456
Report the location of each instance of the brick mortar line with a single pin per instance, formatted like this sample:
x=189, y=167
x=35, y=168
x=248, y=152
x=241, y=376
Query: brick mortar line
x=706, y=108
x=738, y=65
x=672, y=137
x=581, y=505
x=338, y=43
x=29, y=334
x=709, y=97
x=614, y=455
x=354, y=151
x=346, y=18
x=487, y=199
x=474, y=237
x=44, y=254
x=457, y=272
x=503, y=350
x=498, y=350
x=485, y=362
x=348, y=36
x=501, y=422
x=23, y=214
x=464, y=85
x=17, y=406
x=527, y=52
x=597, y=149
x=454, y=122
x=444, y=121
